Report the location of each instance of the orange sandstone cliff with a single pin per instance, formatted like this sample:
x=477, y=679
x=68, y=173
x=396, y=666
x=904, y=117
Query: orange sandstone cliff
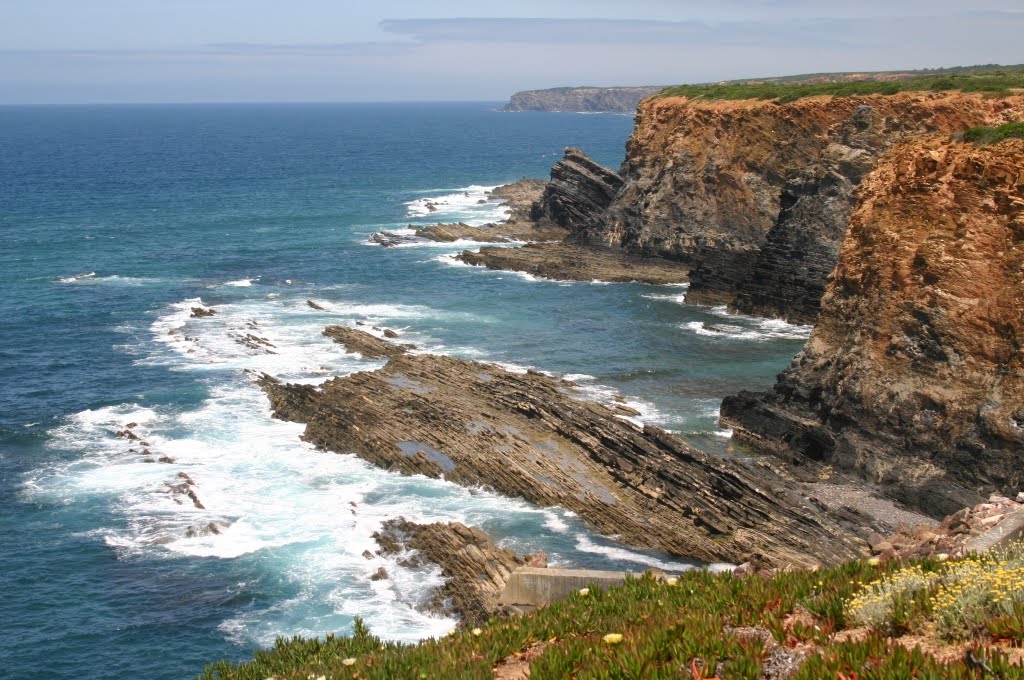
x=755, y=195
x=914, y=374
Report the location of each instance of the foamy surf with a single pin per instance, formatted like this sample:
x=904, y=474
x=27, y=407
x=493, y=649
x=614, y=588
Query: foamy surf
x=472, y=205
x=224, y=480
x=741, y=327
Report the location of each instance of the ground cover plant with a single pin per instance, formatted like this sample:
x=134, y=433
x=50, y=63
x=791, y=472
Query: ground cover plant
x=706, y=625
x=992, y=82
x=992, y=135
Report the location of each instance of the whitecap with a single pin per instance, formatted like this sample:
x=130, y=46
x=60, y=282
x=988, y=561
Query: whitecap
x=624, y=555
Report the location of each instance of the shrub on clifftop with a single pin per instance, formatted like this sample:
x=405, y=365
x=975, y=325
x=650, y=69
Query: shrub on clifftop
x=702, y=625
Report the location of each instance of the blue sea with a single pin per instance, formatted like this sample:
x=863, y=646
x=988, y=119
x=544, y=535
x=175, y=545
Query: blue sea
x=116, y=220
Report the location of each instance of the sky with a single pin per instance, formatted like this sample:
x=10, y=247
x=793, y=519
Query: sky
x=90, y=51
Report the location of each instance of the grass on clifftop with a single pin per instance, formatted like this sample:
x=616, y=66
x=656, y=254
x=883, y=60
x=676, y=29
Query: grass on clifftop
x=997, y=82
x=991, y=135
x=860, y=620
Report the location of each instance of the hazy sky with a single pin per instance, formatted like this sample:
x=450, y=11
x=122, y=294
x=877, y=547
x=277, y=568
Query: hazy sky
x=76, y=51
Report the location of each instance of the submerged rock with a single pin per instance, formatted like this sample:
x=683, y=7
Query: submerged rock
x=528, y=436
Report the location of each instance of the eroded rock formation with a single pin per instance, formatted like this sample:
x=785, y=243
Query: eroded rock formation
x=914, y=374
x=754, y=195
x=474, y=567
x=578, y=194
x=527, y=436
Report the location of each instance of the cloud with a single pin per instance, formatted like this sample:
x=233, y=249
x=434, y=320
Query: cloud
x=478, y=58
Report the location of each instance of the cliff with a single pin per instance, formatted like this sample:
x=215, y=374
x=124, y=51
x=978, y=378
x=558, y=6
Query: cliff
x=755, y=195
x=914, y=374
x=580, y=99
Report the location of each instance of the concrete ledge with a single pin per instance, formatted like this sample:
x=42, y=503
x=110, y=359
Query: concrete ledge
x=1010, y=529
x=538, y=587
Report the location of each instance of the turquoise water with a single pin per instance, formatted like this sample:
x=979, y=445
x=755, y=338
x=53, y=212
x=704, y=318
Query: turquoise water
x=115, y=221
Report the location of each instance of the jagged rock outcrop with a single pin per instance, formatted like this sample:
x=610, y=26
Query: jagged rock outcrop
x=754, y=194
x=526, y=436
x=914, y=374
x=580, y=99
x=578, y=194
x=474, y=567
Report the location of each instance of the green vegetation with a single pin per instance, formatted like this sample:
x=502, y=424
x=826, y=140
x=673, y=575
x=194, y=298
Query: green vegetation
x=693, y=627
x=991, y=135
x=965, y=599
x=990, y=80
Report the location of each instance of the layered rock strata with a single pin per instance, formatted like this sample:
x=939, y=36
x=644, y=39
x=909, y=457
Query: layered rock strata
x=754, y=195
x=474, y=567
x=914, y=374
x=572, y=262
x=528, y=436
x=578, y=193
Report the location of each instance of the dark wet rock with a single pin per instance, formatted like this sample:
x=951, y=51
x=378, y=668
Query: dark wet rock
x=380, y=575
x=315, y=306
x=184, y=488
x=199, y=312
x=390, y=239
x=475, y=569
x=388, y=333
x=572, y=262
x=210, y=528
x=527, y=436
x=253, y=342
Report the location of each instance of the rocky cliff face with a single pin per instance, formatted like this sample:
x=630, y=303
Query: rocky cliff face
x=577, y=195
x=581, y=99
x=755, y=195
x=914, y=374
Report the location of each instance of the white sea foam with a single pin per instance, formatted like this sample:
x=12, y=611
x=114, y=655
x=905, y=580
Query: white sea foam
x=92, y=278
x=240, y=283
x=460, y=205
x=309, y=514
x=588, y=388
x=741, y=327
x=584, y=543
x=450, y=259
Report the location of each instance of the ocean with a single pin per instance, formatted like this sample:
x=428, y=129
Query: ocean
x=116, y=220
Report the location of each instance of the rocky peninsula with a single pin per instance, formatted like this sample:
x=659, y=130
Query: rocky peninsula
x=580, y=99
